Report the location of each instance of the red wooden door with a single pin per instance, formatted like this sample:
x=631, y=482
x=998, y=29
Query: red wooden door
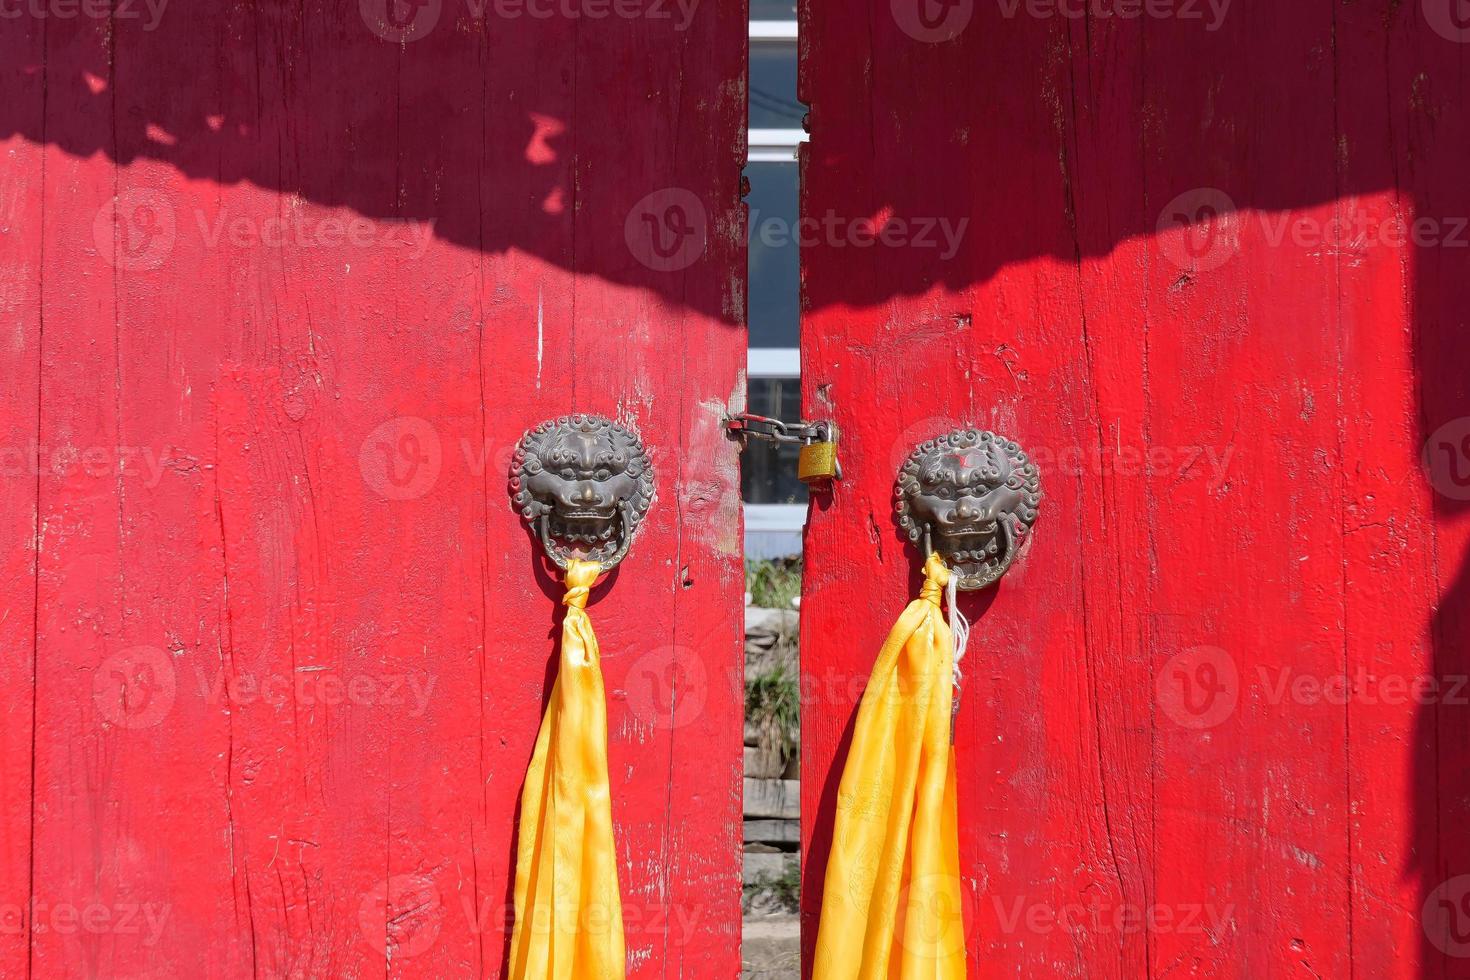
x=282, y=285
x=1209, y=266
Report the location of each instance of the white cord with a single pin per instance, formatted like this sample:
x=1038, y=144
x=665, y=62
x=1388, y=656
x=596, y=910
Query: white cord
x=960, y=627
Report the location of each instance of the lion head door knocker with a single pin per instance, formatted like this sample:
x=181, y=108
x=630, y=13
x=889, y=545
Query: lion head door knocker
x=584, y=484
x=971, y=496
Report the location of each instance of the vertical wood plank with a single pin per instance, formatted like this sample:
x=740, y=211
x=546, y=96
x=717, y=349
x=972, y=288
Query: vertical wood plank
x=21, y=242
x=1252, y=802
x=1427, y=90
x=101, y=683
x=1390, y=586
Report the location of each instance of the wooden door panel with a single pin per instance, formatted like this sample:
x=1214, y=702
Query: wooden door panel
x=292, y=654
x=1229, y=402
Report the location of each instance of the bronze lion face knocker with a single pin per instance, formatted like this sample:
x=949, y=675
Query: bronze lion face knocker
x=584, y=484
x=972, y=496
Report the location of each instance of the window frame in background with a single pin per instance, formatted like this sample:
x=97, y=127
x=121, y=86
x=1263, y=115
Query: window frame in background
x=773, y=530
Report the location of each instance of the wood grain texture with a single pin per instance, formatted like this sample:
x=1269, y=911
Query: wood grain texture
x=293, y=644
x=20, y=345
x=1161, y=774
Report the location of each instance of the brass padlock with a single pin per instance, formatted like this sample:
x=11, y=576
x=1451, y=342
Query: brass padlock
x=817, y=462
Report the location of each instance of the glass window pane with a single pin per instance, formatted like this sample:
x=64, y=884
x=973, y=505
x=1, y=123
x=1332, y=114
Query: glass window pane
x=772, y=9
x=768, y=469
x=773, y=102
x=775, y=262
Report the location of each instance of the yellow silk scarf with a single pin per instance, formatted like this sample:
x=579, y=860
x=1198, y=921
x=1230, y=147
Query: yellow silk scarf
x=891, y=906
x=569, y=917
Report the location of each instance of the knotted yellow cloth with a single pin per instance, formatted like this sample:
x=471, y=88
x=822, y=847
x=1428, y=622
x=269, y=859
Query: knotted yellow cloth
x=569, y=916
x=891, y=907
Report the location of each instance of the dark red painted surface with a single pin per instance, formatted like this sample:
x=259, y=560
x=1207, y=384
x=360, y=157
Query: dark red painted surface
x=275, y=645
x=1230, y=402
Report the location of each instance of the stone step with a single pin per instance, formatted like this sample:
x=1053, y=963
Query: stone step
x=784, y=834
x=773, y=798
x=756, y=768
x=759, y=619
x=771, y=948
x=758, y=866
